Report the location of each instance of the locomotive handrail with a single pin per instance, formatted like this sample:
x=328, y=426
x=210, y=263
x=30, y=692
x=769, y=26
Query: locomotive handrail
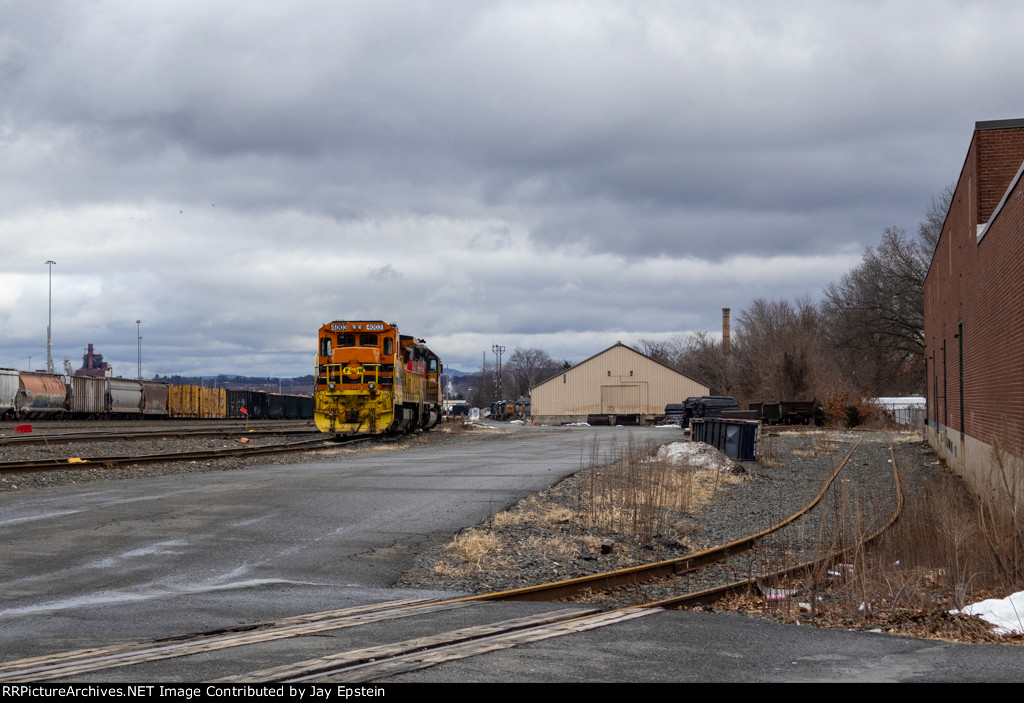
x=336, y=373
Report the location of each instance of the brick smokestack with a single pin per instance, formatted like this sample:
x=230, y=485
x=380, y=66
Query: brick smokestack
x=726, y=342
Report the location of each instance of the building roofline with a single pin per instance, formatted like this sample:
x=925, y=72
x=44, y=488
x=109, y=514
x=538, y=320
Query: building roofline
x=617, y=344
x=999, y=124
x=980, y=126
x=999, y=207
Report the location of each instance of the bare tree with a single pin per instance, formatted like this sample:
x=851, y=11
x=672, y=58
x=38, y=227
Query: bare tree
x=701, y=358
x=483, y=390
x=659, y=350
x=528, y=367
x=778, y=354
x=931, y=226
x=697, y=355
x=875, y=316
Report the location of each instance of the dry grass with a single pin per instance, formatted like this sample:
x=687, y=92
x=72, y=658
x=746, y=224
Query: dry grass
x=552, y=547
x=949, y=548
x=636, y=501
x=456, y=425
x=818, y=443
x=768, y=449
x=472, y=551
x=640, y=494
x=532, y=511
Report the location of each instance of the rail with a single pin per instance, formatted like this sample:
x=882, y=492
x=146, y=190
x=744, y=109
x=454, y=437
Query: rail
x=111, y=461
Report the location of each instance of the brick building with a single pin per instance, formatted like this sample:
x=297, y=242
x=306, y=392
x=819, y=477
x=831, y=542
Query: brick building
x=974, y=310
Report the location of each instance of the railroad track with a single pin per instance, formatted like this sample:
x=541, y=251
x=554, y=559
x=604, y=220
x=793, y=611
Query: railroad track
x=367, y=664
x=181, y=433
x=672, y=567
x=816, y=561
x=53, y=463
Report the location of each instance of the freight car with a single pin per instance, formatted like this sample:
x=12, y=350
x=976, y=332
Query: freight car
x=8, y=391
x=699, y=407
x=37, y=395
x=372, y=380
x=788, y=412
x=40, y=395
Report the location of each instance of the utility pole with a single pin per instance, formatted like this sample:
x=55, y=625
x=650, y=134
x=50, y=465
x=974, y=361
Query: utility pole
x=49, y=321
x=498, y=350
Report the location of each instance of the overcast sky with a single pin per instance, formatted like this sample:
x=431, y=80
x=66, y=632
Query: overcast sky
x=561, y=175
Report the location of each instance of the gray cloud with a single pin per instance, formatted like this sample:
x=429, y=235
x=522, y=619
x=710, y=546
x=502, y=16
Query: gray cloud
x=544, y=173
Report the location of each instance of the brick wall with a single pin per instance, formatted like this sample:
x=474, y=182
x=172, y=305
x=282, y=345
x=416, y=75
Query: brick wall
x=979, y=287
x=1000, y=153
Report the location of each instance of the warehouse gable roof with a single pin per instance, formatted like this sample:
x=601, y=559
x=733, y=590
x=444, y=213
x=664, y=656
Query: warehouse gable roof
x=605, y=351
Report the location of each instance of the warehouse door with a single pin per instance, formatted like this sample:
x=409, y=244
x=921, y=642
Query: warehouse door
x=620, y=400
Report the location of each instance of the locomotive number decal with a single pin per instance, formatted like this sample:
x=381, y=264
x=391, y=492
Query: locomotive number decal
x=344, y=326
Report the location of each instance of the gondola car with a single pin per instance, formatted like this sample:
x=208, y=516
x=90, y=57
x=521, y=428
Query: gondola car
x=372, y=380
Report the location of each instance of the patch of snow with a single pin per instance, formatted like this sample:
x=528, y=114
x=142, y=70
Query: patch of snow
x=1006, y=614
x=695, y=454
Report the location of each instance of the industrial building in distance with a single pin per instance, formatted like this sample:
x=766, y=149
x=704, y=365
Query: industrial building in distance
x=617, y=381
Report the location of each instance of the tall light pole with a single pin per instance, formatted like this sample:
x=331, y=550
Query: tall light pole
x=138, y=324
x=49, y=321
x=498, y=350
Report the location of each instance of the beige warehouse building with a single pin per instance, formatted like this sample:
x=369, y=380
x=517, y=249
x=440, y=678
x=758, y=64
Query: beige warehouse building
x=618, y=381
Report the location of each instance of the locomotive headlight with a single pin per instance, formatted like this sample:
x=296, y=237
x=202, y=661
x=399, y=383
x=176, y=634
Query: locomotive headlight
x=371, y=385
x=331, y=386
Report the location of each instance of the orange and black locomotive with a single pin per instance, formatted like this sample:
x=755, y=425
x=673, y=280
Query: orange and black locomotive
x=371, y=380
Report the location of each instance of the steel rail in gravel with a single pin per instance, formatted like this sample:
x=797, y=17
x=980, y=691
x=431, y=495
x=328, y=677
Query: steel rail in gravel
x=648, y=572
x=111, y=461
x=67, y=438
x=712, y=594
